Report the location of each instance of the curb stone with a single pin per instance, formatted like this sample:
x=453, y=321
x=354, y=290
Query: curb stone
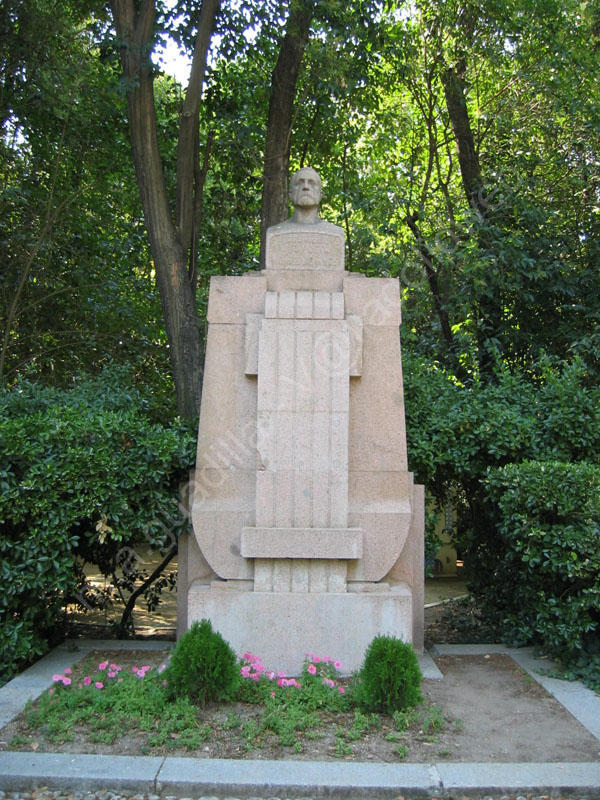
x=184, y=777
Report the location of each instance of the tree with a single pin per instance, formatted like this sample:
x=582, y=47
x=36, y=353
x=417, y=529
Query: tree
x=75, y=289
x=171, y=237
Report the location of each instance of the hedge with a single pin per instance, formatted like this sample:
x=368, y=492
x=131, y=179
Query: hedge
x=542, y=579
x=85, y=471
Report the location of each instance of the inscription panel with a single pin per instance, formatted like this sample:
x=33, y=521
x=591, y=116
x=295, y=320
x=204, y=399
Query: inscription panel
x=310, y=250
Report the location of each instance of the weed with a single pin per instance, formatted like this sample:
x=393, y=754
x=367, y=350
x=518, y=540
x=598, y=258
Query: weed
x=250, y=732
x=401, y=751
x=103, y=736
x=444, y=752
x=19, y=741
x=404, y=719
x=59, y=730
x=360, y=726
x=433, y=719
x=232, y=722
x=341, y=749
x=392, y=737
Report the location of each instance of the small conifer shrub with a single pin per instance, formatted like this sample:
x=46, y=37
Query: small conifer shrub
x=203, y=666
x=390, y=678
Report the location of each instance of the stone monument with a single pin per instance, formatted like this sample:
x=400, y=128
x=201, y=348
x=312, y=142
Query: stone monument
x=307, y=527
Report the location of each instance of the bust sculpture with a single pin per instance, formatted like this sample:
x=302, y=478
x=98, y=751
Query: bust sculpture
x=305, y=241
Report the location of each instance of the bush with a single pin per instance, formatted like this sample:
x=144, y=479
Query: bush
x=542, y=578
x=203, y=666
x=389, y=679
x=83, y=472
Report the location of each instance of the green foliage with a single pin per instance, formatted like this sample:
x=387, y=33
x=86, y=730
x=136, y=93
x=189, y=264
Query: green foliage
x=542, y=572
x=76, y=289
x=111, y=702
x=518, y=457
x=457, y=431
x=203, y=666
x=85, y=473
x=390, y=678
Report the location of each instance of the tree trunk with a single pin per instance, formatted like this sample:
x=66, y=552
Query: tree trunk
x=170, y=240
x=489, y=308
x=468, y=159
x=279, y=124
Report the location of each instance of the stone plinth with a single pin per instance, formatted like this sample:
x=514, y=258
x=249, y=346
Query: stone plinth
x=340, y=626
x=290, y=246
x=308, y=530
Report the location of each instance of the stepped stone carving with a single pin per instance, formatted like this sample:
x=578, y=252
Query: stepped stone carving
x=308, y=530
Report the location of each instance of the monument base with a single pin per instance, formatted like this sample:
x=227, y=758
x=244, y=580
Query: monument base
x=282, y=627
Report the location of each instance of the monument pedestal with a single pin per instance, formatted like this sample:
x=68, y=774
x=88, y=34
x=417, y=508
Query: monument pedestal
x=281, y=628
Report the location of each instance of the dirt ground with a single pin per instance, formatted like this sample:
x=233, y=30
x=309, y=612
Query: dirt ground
x=491, y=711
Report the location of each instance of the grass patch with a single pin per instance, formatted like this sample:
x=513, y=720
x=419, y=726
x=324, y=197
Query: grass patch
x=102, y=704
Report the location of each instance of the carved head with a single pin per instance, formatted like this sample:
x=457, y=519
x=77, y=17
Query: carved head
x=305, y=188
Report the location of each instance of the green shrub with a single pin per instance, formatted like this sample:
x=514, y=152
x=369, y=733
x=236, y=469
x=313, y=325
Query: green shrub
x=203, y=666
x=542, y=577
x=83, y=473
x=389, y=679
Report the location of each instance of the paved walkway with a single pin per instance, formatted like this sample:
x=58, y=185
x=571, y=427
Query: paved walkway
x=169, y=776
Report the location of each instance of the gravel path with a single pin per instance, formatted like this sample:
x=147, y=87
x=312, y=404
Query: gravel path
x=104, y=794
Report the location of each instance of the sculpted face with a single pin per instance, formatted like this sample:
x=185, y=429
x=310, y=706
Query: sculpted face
x=305, y=188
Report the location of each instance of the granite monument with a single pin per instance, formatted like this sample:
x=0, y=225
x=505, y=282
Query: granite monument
x=307, y=526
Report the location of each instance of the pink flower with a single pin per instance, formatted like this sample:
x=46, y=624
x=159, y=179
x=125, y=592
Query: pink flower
x=255, y=677
x=112, y=673
x=79, y=685
x=68, y=671
x=66, y=681
x=270, y=675
x=99, y=685
x=115, y=668
x=272, y=694
x=311, y=669
x=245, y=671
x=87, y=680
x=281, y=675
x=341, y=690
x=325, y=659
x=316, y=659
x=57, y=678
x=329, y=682
x=51, y=691
x=164, y=681
x=337, y=664
x=281, y=682
x=103, y=665
x=121, y=681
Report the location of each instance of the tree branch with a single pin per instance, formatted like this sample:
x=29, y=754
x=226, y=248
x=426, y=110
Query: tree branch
x=128, y=610
x=188, y=126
